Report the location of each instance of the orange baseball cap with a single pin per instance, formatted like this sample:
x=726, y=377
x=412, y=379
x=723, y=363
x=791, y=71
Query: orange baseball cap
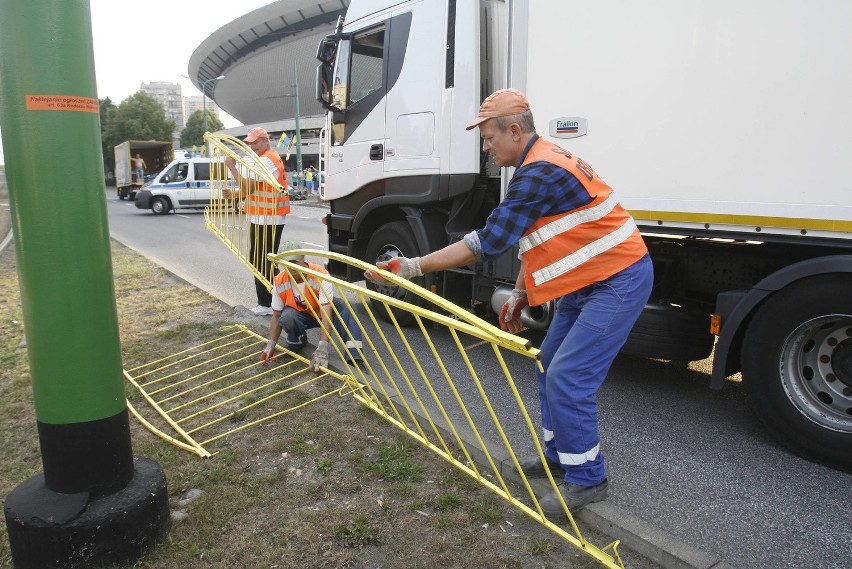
x=256, y=133
x=502, y=103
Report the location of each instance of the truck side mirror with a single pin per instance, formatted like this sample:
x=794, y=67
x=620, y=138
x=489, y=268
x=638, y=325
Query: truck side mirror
x=323, y=91
x=327, y=50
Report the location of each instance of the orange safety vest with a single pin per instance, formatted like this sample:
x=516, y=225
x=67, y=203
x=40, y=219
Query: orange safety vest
x=267, y=202
x=565, y=252
x=309, y=302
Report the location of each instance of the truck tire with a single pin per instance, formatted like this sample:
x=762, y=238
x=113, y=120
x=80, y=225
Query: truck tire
x=393, y=240
x=670, y=333
x=797, y=367
x=160, y=205
x=122, y=193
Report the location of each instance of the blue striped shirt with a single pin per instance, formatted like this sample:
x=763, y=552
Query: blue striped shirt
x=537, y=190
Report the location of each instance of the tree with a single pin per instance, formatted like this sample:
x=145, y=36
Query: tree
x=106, y=110
x=138, y=117
x=193, y=134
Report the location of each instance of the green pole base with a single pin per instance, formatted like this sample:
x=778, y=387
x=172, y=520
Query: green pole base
x=49, y=530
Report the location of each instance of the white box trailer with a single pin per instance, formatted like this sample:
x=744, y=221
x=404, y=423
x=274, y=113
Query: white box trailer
x=721, y=125
x=156, y=156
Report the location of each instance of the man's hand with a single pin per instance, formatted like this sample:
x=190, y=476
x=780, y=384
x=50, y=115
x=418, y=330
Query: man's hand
x=267, y=356
x=320, y=357
x=510, y=315
x=229, y=194
x=400, y=266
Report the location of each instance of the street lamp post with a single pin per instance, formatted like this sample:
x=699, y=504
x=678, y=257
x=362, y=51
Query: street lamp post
x=297, y=178
x=298, y=132
x=204, y=102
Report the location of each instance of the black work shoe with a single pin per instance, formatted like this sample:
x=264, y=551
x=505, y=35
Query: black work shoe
x=575, y=497
x=533, y=468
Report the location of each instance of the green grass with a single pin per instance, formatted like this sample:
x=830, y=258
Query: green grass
x=330, y=485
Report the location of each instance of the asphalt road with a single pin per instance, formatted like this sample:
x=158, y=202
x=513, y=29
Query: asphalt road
x=689, y=461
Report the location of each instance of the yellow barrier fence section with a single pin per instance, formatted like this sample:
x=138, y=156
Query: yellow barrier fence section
x=204, y=393
x=229, y=219
x=419, y=378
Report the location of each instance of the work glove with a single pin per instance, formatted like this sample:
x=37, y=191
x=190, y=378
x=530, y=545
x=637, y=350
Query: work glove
x=400, y=266
x=320, y=357
x=267, y=356
x=510, y=314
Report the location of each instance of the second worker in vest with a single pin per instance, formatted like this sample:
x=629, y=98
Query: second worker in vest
x=266, y=209
x=578, y=245
x=297, y=300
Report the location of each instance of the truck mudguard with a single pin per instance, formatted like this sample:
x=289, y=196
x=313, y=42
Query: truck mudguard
x=741, y=310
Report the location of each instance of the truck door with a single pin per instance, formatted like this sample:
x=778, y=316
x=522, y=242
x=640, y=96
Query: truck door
x=357, y=150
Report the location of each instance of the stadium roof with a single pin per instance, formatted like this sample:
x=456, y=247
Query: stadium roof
x=256, y=54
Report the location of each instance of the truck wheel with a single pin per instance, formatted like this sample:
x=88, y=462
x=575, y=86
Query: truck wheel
x=160, y=205
x=121, y=193
x=389, y=241
x=797, y=367
x=670, y=333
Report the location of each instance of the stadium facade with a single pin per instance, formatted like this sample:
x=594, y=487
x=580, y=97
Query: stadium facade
x=263, y=55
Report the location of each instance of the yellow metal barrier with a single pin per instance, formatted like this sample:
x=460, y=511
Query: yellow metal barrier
x=207, y=392
x=420, y=379
x=226, y=218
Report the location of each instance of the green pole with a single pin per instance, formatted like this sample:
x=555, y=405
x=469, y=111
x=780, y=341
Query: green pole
x=94, y=504
x=51, y=141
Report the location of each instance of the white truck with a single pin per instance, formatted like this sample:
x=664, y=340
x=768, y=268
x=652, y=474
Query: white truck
x=722, y=125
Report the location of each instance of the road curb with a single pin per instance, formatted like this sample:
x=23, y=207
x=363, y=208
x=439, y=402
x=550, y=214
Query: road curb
x=657, y=545
x=635, y=533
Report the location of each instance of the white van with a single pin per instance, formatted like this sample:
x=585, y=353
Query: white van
x=183, y=184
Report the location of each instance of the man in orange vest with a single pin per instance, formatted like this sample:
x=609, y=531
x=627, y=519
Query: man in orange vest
x=578, y=245
x=299, y=299
x=266, y=208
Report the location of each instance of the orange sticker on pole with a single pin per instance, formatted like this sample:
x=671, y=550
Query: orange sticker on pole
x=62, y=103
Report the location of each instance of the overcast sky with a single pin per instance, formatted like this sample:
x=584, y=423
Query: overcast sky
x=153, y=41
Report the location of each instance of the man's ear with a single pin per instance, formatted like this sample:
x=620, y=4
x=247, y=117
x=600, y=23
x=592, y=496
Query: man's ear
x=516, y=131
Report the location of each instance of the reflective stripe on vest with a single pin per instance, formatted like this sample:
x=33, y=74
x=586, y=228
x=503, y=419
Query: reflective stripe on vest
x=563, y=224
x=267, y=202
x=565, y=252
x=593, y=249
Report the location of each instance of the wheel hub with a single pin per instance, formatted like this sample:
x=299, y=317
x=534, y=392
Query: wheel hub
x=387, y=254
x=817, y=370
x=841, y=360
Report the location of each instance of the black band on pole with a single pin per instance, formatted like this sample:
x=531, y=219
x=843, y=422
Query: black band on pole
x=94, y=456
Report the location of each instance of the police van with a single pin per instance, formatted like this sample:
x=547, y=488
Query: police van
x=183, y=184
